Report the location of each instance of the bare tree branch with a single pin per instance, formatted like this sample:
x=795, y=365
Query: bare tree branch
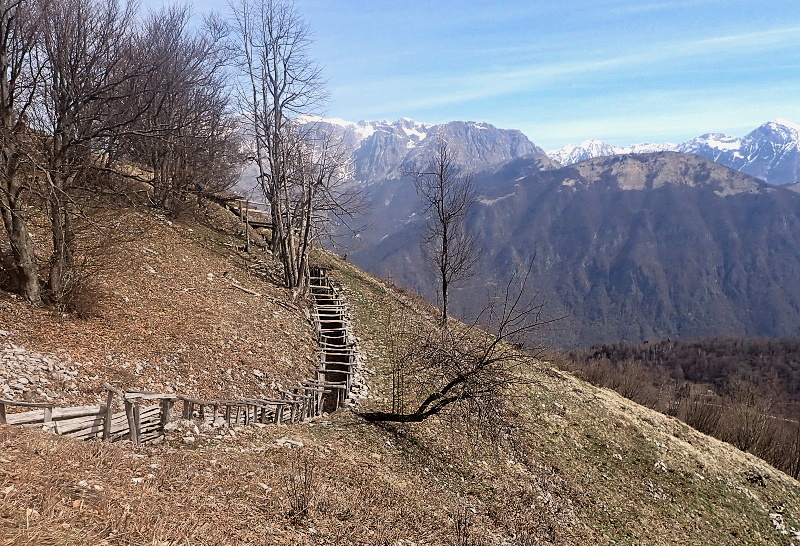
x=447, y=196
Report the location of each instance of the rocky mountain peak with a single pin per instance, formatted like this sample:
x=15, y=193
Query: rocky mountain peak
x=770, y=152
x=381, y=150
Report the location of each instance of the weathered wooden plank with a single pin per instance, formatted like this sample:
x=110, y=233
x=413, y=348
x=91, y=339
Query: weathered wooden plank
x=118, y=428
x=150, y=436
x=119, y=425
x=25, y=418
x=79, y=423
x=149, y=396
x=57, y=413
x=27, y=404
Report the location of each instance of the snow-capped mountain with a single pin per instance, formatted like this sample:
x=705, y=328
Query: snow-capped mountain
x=589, y=149
x=380, y=150
x=771, y=152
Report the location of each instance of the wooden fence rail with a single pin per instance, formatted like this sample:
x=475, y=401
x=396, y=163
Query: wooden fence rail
x=145, y=415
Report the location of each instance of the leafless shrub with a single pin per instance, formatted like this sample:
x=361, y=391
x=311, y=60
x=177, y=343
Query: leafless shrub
x=462, y=527
x=300, y=486
x=702, y=413
x=467, y=368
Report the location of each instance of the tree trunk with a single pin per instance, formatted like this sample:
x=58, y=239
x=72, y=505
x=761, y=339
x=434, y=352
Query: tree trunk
x=63, y=237
x=26, y=270
x=26, y=273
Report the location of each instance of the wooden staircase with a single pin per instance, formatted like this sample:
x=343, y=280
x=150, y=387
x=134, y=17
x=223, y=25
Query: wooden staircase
x=146, y=414
x=337, y=373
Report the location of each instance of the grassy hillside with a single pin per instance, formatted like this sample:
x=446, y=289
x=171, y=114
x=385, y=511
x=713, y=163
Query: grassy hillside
x=581, y=465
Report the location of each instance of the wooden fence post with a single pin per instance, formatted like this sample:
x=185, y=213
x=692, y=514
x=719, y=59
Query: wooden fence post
x=166, y=409
x=48, y=418
x=131, y=411
x=247, y=226
x=3, y=420
x=109, y=414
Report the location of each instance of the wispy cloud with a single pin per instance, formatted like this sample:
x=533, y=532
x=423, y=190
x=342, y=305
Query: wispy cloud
x=427, y=90
x=627, y=8
x=659, y=116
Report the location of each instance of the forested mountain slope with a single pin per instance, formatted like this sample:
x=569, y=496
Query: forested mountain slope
x=629, y=247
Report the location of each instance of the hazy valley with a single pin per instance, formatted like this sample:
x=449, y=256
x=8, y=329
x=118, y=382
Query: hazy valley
x=627, y=247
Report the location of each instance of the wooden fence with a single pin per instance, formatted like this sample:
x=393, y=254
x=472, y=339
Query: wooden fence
x=145, y=415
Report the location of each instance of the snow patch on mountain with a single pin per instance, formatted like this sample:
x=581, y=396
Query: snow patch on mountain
x=489, y=202
x=590, y=149
x=714, y=141
x=771, y=152
x=788, y=124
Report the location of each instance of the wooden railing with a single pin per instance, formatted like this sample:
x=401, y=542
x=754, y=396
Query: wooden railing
x=145, y=414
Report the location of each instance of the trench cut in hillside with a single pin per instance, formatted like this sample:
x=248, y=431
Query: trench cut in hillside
x=149, y=416
x=337, y=369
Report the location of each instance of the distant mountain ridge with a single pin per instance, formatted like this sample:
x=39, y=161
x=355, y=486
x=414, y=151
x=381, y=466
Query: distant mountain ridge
x=771, y=152
x=589, y=149
x=643, y=245
x=380, y=150
x=630, y=247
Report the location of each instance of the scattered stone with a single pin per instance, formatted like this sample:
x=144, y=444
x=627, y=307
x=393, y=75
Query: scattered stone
x=172, y=426
x=189, y=439
x=289, y=442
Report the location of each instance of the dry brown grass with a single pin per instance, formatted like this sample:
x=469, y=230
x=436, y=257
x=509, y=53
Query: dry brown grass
x=164, y=303
x=586, y=465
x=581, y=466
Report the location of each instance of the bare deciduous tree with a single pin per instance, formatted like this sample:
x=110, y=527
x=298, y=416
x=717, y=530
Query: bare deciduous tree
x=283, y=83
x=447, y=195
x=85, y=59
x=75, y=84
x=468, y=367
x=186, y=137
x=19, y=25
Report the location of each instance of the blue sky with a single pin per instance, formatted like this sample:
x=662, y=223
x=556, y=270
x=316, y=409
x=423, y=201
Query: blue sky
x=619, y=70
